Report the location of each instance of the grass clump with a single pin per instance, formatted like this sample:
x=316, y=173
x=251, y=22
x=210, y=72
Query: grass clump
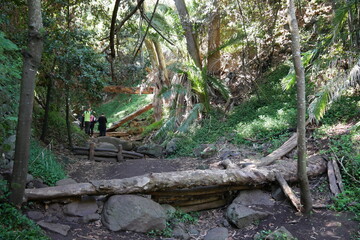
x=44, y=165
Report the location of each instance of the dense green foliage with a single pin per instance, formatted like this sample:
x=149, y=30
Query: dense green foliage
x=44, y=165
x=266, y=118
x=344, y=148
x=10, y=73
x=13, y=224
x=123, y=105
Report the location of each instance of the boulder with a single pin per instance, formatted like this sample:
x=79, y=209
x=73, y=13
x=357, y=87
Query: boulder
x=153, y=150
x=254, y=197
x=81, y=208
x=171, y=146
x=127, y=146
x=133, y=213
x=219, y=233
x=242, y=216
x=106, y=145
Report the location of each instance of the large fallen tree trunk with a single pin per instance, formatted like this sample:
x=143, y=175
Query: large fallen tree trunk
x=129, y=90
x=129, y=117
x=178, y=180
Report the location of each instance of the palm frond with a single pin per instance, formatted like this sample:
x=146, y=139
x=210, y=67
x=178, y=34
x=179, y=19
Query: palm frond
x=167, y=92
x=191, y=118
x=168, y=126
x=218, y=85
x=333, y=90
x=289, y=80
x=318, y=107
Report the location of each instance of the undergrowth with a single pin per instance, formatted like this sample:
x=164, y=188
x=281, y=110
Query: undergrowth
x=344, y=147
x=176, y=217
x=123, y=105
x=44, y=165
x=13, y=224
x=268, y=117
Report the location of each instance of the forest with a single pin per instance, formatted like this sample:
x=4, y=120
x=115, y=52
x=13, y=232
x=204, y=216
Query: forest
x=204, y=100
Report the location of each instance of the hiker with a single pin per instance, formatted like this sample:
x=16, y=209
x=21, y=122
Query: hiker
x=102, y=124
x=92, y=124
x=87, y=115
x=81, y=120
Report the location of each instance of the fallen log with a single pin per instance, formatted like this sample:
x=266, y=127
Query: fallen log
x=129, y=90
x=289, y=145
x=334, y=176
x=178, y=180
x=288, y=192
x=129, y=117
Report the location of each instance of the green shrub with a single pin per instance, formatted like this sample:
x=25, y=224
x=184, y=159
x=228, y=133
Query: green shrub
x=43, y=164
x=14, y=225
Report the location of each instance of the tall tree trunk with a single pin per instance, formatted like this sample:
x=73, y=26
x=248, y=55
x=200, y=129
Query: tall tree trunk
x=301, y=108
x=47, y=108
x=32, y=58
x=214, y=64
x=157, y=103
x=191, y=43
x=67, y=115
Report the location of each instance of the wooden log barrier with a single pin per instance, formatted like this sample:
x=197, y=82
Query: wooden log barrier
x=94, y=153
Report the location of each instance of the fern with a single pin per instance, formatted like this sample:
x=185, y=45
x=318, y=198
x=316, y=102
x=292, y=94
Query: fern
x=191, y=118
x=333, y=90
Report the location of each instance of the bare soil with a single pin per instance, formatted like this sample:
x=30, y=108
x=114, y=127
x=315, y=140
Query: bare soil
x=323, y=224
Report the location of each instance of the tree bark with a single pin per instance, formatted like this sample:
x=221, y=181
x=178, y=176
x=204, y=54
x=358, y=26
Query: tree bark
x=153, y=182
x=191, y=42
x=32, y=59
x=47, y=108
x=214, y=63
x=301, y=109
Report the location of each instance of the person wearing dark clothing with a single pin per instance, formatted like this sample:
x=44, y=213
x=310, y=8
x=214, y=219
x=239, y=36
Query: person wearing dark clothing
x=102, y=124
x=92, y=124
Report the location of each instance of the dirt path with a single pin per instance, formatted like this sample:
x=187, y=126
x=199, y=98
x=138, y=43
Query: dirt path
x=322, y=225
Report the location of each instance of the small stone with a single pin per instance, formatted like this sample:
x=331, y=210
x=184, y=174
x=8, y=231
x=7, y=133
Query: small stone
x=55, y=227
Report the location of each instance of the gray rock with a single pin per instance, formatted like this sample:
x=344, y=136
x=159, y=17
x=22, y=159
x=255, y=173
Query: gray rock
x=106, y=145
x=91, y=218
x=65, y=181
x=170, y=210
x=219, y=233
x=208, y=152
x=281, y=233
x=154, y=150
x=127, y=146
x=133, y=213
x=254, y=197
x=55, y=227
x=81, y=208
x=278, y=194
x=242, y=216
x=29, y=178
x=197, y=151
x=35, y=215
x=179, y=232
x=171, y=146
